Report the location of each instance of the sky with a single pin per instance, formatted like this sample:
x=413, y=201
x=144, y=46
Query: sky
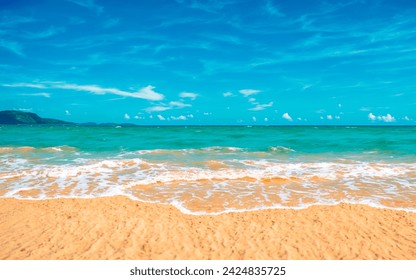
x=213, y=62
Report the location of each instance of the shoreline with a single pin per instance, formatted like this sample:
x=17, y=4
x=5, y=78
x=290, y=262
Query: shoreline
x=121, y=228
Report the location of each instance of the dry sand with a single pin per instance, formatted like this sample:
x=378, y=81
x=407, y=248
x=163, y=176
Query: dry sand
x=119, y=228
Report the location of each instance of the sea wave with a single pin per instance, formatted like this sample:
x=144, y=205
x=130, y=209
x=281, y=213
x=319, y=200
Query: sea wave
x=214, y=186
x=281, y=149
x=29, y=149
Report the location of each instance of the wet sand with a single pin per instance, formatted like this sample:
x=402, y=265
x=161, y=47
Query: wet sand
x=119, y=228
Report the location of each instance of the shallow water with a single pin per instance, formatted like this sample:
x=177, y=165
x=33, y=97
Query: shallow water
x=210, y=170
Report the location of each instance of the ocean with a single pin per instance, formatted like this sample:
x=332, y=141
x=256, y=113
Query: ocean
x=213, y=170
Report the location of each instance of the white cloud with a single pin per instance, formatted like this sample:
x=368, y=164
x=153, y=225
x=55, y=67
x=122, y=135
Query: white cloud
x=126, y=116
x=227, y=94
x=254, y=119
x=248, y=92
x=157, y=109
x=406, y=118
x=372, y=117
x=207, y=114
x=178, y=104
x=161, y=117
x=321, y=117
x=24, y=109
x=29, y=85
x=286, y=116
x=386, y=118
x=260, y=107
x=180, y=118
x=147, y=92
x=299, y=119
x=251, y=99
x=329, y=117
x=305, y=87
x=337, y=117
x=266, y=119
x=191, y=116
x=190, y=95
x=339, y=105
x=67, y=113
x=42, y=94
x=170, y=106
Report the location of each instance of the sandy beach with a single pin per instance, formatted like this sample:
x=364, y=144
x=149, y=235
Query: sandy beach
x=120, y=228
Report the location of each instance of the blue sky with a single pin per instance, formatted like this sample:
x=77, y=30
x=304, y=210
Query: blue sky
x=180, y=62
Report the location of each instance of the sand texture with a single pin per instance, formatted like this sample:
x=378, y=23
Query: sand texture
x=119, y=228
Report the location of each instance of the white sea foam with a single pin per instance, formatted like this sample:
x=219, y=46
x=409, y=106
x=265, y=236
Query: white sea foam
x=238, y=185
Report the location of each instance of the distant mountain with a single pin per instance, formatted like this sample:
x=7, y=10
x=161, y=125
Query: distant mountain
x=19, y=117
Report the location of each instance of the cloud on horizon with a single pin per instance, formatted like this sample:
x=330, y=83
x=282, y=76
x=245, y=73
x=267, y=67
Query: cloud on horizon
x=170, y=106
x=286, y=116
x=386, y=118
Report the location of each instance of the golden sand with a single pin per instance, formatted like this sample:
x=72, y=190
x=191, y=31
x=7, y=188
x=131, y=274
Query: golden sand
x=119, y=228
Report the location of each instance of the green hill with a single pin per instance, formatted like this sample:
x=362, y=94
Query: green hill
x=19, y=117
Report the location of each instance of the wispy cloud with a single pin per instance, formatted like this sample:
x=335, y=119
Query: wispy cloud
x=10, y=21
x=190, y=95
x=248, y=92
x=209, y=6
x=14, y=47
x=147, y=92
x=271, y=9
x=158, y=108
x=28, y=85
x=166, y=107
x=41, y=94
x=111, y=22
x=51, y=31
x=89, y=4
x=228, y=94
x=180, y=118
x=260, y=107
x=144, y=93
x=160, y=117
x=223, y=38
x=178, y=104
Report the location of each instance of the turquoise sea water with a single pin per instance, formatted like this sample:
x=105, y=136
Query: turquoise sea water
x=203, y=170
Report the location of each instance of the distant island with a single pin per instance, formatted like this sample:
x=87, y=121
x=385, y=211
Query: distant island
x=14, y=117
x=19, y=117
